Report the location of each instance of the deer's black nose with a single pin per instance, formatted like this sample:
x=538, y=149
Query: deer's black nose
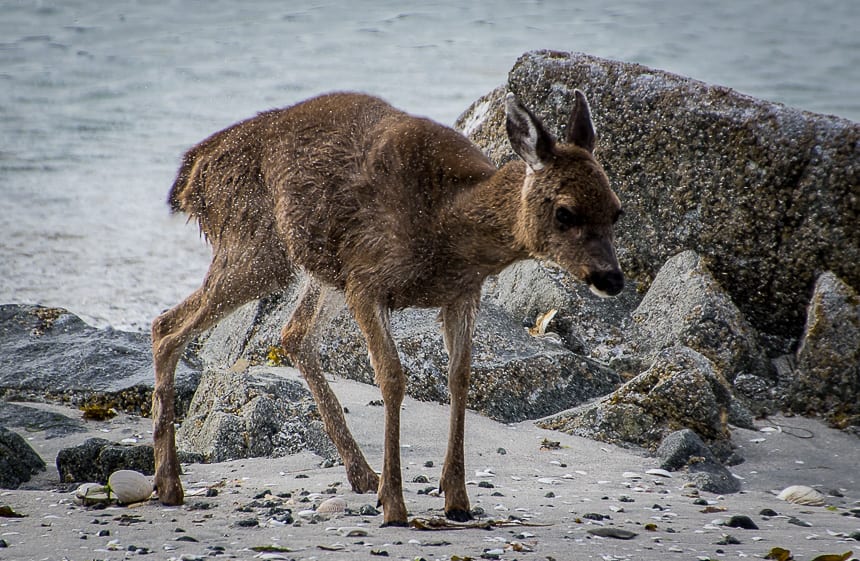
x=606, y=283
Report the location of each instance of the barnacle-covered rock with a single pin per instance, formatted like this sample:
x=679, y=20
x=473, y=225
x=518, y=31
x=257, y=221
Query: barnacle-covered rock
x=767, y=193
x=827, y=373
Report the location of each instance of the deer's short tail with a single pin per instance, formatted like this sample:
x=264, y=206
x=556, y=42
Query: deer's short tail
x=185, y=191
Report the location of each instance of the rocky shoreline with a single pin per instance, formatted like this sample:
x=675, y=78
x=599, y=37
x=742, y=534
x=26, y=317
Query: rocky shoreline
x=741, y=240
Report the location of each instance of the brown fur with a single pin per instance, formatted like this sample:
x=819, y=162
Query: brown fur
x=394, y=211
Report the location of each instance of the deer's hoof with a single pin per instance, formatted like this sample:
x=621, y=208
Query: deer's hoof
x=170, y=493
x=458, y=515
x=395, y=524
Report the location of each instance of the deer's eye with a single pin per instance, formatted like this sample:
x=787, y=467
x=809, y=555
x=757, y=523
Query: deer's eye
x=567, y=219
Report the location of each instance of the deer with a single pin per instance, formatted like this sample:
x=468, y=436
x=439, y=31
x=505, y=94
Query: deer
x=394, y=211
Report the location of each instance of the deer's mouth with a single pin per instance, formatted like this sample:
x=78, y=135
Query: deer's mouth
x=605, y=283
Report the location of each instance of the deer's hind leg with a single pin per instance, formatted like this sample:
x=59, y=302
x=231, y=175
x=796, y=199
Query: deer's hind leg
x=228, y=284
x=310, y=312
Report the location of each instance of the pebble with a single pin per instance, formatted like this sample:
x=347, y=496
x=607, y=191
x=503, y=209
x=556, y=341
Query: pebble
x=610, y=532
x=659, y=472
x=799, y=522
x=741, y=521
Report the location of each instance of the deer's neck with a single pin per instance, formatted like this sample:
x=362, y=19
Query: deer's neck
x=484, y=223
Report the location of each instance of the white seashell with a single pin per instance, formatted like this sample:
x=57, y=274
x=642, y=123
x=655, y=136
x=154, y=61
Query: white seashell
x=548, y=481
x=631, y=475
x=801, y=495
x=334, y=505
x=130, y=486
x=541, y=323
x=92, y=492
x=352, y=532
x=658, y=471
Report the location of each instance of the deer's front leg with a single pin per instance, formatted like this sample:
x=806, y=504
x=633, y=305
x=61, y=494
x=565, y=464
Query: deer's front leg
x=372, y=317
x=458, y=321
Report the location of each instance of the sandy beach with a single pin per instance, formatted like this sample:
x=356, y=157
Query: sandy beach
x=541, y=500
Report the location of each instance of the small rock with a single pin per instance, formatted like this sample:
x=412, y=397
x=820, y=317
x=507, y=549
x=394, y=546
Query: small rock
x=741, y=521
x=247, y=523
x=768, y=512
x=611, y=532
x=728, y=539
x=799, y=522
x=368, y=510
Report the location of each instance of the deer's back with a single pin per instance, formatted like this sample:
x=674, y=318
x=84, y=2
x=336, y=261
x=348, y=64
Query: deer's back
x=359, y=188
x=353, y=187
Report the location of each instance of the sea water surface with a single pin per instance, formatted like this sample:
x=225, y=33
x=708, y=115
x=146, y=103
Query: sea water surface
x=99, y=99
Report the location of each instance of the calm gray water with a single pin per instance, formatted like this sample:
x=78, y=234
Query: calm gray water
x=98, y=100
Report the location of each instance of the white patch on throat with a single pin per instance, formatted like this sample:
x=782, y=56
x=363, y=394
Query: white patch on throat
x=527, y=182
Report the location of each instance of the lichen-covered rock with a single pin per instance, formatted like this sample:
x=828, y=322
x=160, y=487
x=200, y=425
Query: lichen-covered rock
x=827, y=374
x=80, y=463
x=682, y=389
x=18, y=461
x=49, y=353
x=515, y=376
x=686, y=306
x=252, y=414
x=96, y=458
x=767, y=194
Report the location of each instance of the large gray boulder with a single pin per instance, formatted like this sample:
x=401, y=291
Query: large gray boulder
x=18, y=461
x=238, y=414
x=515, y=376
x=686, y=306
x=827, y=374
x=766, y=193
x=681, y=390
x=49, y=353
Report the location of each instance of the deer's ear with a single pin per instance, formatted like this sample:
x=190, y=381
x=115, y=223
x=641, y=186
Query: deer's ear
x=580, y=129
x=526, y=133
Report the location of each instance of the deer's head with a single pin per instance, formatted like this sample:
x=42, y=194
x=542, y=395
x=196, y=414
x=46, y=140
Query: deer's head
x=567, y=209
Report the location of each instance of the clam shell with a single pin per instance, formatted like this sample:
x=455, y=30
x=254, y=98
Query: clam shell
x=334, y=505
x=92, y=493
x=130, y=486
x=801, y=495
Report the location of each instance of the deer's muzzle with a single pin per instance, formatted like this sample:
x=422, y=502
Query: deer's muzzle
x=605, y=283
